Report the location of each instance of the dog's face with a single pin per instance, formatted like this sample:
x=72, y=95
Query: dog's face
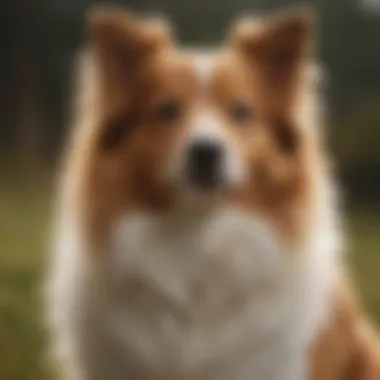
x=182, y=125
x=195, y=129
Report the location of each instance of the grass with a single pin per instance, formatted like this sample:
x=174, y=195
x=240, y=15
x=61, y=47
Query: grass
x=24, y=229
x=363, y=234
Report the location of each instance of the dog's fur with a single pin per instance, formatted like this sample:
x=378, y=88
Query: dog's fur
x=154, y=279
x=347, y=347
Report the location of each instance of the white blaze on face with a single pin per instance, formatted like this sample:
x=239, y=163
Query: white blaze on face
x=204, y=64
x=206, y=124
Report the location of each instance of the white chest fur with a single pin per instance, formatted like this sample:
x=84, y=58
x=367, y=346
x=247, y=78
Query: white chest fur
x=203, y=298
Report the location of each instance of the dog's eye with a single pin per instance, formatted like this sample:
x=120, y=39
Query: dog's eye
x=286, y=136
x=168, y=111
x=240, y=112
x=114, y=131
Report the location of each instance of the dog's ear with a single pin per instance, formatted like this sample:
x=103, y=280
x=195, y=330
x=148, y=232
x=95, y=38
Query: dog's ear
x=120, y=44
x=277, y=46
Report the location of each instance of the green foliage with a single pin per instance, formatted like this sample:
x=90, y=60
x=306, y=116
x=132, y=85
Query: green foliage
x=356, y=137
x=356, y=145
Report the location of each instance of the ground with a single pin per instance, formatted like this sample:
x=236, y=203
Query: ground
x=24, y=232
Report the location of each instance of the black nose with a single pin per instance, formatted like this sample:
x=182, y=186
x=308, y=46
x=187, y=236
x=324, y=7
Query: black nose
x=205, y=164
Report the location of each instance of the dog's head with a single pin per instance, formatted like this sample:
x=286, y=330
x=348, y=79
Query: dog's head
x=177, y=126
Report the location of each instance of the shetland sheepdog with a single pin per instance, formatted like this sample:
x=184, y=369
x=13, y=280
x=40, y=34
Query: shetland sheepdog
x=197, y=235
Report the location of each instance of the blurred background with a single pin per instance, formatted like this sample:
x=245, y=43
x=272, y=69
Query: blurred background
x=39, y=40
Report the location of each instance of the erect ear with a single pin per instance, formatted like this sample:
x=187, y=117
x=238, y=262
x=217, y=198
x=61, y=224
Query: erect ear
x=121, y=44
x=278, y=46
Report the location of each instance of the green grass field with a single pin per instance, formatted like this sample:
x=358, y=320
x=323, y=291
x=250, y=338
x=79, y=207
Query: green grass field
x=24, y=229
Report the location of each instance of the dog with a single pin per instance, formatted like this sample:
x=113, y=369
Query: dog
x=198, y=230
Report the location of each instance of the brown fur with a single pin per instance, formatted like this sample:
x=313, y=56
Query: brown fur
x=118, y=150
x=348, y=348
